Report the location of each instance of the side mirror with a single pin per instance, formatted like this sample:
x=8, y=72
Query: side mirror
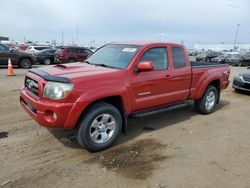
x=145, y=66
x=248, y=67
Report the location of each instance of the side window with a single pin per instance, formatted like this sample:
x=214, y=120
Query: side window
x=79, y=50
x=87, y=51
x=72, y=50
x=158, y=56
x=178, y=57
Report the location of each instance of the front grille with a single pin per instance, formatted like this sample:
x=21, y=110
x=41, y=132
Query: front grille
x=247, y=86
x=32, y=109
x=241, y=84
x=246, y=79
x=31, y=85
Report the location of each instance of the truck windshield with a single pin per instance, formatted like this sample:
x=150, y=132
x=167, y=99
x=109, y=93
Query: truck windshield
x=114, y=55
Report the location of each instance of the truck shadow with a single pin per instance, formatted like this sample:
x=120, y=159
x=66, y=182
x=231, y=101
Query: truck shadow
x=138, y=126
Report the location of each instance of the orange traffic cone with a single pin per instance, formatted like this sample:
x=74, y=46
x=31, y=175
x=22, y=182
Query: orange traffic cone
x=10, y=71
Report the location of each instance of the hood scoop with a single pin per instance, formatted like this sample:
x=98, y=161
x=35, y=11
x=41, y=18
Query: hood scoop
x=61, y=66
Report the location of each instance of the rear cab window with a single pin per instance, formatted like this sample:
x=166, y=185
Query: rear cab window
x=178, y=57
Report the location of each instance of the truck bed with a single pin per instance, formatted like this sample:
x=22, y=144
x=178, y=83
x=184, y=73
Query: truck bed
x=201, y=64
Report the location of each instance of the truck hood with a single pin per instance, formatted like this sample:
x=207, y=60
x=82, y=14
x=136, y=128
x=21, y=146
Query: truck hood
x=76, y=70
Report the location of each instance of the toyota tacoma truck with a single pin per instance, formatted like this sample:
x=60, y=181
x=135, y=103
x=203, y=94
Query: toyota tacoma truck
x=120, y=80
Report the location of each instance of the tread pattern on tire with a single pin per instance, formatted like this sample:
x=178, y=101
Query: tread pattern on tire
x=83, y=126
x=200, y=103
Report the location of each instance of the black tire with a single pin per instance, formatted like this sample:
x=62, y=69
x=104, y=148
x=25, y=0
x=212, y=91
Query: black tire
x=71, y=60
x=201, y=104
x=25, y=63
x=46, y=61
x=86, y=128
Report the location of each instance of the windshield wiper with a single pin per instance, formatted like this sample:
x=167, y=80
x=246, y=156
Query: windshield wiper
x=88, y=62
x=104, y=65
x=96, y=64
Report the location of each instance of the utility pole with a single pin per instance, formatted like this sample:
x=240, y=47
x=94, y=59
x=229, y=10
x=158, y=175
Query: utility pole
x=62, y=39
x=236, y=35
x=77, y=34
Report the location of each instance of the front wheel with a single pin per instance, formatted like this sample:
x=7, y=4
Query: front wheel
x=206, y=104
x=99, y=127
x=25, y=63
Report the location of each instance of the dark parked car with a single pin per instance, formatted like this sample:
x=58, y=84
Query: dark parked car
x=245, y=59
x=22, y=59
x=207, y=56
x=234, y=59
x=242, y=81
x=46, y=57
x=212, y=55
x=241, y=59
x=201, y=56
x=221, y=58
x=71, y=54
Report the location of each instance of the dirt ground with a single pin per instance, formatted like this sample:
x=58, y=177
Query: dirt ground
x=173, y=149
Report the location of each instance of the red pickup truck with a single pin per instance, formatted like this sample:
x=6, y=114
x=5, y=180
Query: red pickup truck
x=120, y=80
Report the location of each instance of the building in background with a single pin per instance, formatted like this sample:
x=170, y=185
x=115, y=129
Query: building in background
x=222, y=47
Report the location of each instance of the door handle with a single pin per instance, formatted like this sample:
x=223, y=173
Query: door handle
x=177, y=78
x=167, y=76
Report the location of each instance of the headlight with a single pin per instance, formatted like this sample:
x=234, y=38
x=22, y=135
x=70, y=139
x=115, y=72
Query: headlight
x=239, y=77
x=56, y=90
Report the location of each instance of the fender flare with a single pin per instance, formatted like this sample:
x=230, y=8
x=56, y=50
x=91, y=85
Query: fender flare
x=96, y=94
x=203, y=83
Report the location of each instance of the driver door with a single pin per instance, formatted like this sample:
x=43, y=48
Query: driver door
x=5, y=54
x=151, y=88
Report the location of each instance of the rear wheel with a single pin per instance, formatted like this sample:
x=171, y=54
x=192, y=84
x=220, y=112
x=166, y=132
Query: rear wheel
x=99, y=127
x=46, y=61
x=206, y=104
x=25, y=63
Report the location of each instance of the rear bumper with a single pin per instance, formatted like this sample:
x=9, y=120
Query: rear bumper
x=46, y=112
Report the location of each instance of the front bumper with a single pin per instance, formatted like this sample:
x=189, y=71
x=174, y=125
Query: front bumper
x=46, y=112
x=241, y=85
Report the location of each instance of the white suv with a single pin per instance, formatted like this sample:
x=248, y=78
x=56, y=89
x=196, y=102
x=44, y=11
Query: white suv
x=35, y=49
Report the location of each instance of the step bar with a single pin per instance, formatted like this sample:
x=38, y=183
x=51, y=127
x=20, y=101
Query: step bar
x=159, y=109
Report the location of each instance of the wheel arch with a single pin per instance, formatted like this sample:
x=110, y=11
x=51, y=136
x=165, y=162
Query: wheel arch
x=215, y=83
x=21, y=58
x=117, y=101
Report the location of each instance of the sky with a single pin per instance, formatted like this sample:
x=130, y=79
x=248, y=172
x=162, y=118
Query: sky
x=186, y=21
